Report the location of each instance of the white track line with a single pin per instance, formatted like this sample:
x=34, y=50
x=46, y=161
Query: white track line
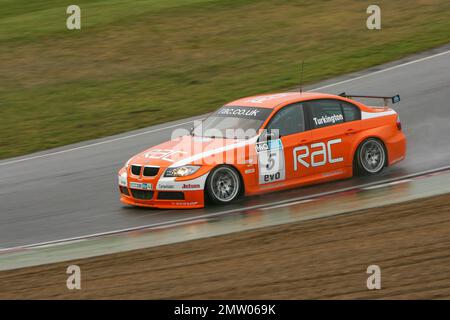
x=96, y=143
x=284, y=203
x=389, y=184
x=184, y=123
x=381, y=71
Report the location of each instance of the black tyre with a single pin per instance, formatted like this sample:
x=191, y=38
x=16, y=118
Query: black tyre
x=223, y=185
x=370, y=156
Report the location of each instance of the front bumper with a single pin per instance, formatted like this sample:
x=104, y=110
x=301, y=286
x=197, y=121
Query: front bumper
x=193, y=199
x=159, y=192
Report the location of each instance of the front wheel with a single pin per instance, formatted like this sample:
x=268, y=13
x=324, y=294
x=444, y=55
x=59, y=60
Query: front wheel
x=223, y=185
x=370, y=157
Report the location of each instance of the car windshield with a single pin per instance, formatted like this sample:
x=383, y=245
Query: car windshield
x=232, y=122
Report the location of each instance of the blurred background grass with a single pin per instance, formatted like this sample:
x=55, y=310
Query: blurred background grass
x=135, y=63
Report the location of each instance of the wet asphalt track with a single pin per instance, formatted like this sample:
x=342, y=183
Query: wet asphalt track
x=69, y=192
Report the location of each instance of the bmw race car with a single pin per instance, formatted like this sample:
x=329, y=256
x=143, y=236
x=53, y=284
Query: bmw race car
x=262, y=144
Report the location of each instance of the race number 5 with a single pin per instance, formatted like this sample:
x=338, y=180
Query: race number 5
x=270, y=161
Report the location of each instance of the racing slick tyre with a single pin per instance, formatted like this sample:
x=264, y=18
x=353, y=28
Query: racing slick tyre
x=223, y=185
x=370, y=157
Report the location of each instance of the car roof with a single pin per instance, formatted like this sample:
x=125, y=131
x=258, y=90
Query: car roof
x=273, y=100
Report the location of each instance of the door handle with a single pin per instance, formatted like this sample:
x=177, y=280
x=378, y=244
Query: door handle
x=349, y=132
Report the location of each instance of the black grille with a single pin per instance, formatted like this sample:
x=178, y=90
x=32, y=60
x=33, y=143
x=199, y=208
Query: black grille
x=170, y=195
x=142, y=194
x=124, y=190
x=136, y=170
x=150, y=171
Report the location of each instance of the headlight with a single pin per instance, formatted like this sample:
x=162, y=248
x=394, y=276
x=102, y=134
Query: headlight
x=123, y=179
x=181, y=171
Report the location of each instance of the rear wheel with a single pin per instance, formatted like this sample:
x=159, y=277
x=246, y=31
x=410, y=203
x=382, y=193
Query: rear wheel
x=370, y=157
x=223, y=185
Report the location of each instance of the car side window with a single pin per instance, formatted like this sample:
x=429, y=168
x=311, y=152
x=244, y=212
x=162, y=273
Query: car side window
x=351, y=112
x=288, y=120
x=325, y=112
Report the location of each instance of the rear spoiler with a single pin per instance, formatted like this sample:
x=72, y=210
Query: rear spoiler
x=394, y=99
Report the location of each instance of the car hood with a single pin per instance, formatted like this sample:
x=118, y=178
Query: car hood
x=189, y=150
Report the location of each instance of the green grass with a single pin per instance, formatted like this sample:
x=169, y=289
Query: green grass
x=136, y=63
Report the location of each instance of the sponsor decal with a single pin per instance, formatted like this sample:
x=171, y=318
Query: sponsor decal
x=332, y=173
x=328, y=119
x=190, y=186
x=270, y=161
x=147, y=186
x=304, y=157
x=163, y=154
x=239, y=112
x=248, y=171
x=269, y=145
x=243, y=112
x=170, y=183
x=192, y=203
x=271, y=177
x=142, y=186
x=165, y=186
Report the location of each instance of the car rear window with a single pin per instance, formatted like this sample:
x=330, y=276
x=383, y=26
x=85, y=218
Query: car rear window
x=351, y=112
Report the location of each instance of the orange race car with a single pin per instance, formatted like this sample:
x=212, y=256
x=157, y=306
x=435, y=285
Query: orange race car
x=265, y=143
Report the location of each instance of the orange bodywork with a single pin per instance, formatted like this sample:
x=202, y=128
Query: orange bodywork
x=312, y=156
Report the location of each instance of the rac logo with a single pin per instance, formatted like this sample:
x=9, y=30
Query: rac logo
x=302, y=154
